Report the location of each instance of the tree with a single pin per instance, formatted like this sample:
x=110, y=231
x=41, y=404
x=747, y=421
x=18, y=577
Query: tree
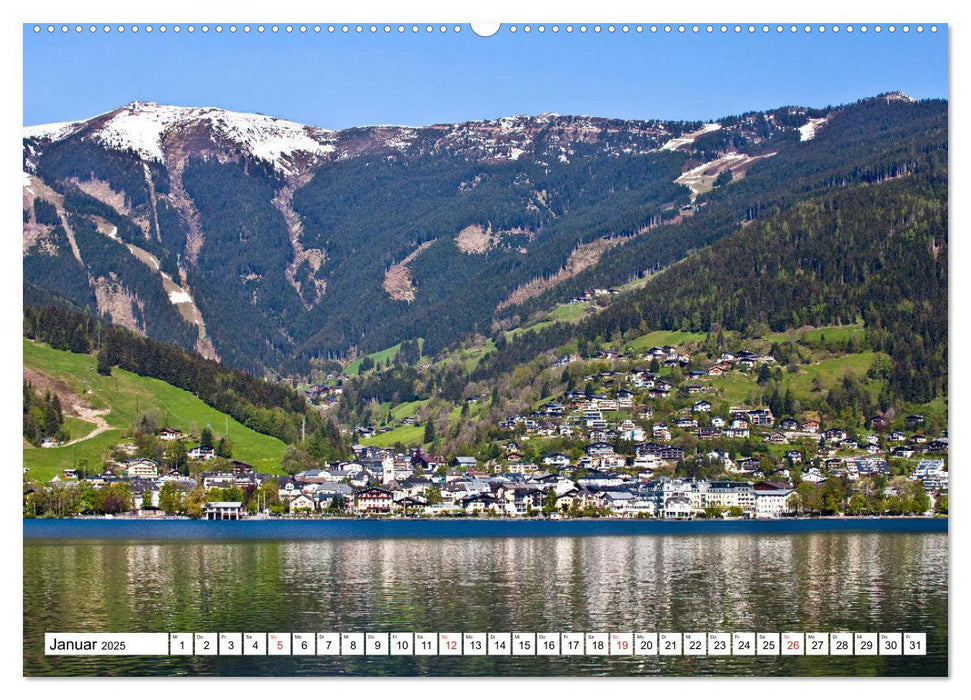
x=794, y=503
x=857, y=504
x=146, y=498
x=54, y=415
x=104, y=364
x=84, y=494
x=724, y=177
x=830, y=496
x=205, y=440
x=195, y=502
x=549, y=502
x=113, y=498
x=922, y=502
x=880, y=367
x=810, y=499
x=148, y=422
x=225, y=448
x=266, y=496
x=170, y=498
x=764, y=374
x=294, y=460
x=176, y=456
x=429, y=436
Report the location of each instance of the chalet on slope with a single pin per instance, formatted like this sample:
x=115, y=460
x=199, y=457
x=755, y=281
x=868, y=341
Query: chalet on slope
x=204, y=452
x=169, y=434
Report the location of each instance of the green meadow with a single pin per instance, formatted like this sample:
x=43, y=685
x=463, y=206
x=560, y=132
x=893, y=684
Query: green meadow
x=380, y=356
x=126, y=395
x=661, y=338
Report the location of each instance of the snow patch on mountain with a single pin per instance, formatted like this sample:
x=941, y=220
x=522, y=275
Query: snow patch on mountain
x=54, y=132
x=180, y=298
x=896, y=96
x=140, y=128
x=402, y=137
x=807, y=132
x=686, y=139
x=269, y=139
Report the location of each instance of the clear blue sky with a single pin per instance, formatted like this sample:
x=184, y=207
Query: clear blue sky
x=337, y=80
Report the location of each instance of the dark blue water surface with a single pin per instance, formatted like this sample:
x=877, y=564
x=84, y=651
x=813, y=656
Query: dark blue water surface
x=458, y=528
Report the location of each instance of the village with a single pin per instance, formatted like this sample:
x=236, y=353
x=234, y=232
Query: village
x=622, y=463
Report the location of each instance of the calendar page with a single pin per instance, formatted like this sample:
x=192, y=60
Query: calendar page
x=515, y=349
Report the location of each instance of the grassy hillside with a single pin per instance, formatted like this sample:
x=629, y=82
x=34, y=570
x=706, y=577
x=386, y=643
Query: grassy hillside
x=125, y=395
x=381, y=356
x=406, y=434
x=735, y=388
x=660, y=338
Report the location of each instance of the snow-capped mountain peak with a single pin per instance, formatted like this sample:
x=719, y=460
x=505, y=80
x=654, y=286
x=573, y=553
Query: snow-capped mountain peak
x=144, y=126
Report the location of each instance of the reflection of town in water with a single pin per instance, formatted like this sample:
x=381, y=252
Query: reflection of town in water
x=806, y=582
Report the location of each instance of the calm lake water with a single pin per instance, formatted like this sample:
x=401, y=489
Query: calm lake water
x=848, y=579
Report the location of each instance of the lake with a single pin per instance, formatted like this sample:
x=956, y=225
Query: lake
x=179, y=576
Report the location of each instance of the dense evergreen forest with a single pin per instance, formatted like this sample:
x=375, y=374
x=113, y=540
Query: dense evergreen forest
x=390, y=207
x=241, y=287
x=876, y=253
x=866, y=142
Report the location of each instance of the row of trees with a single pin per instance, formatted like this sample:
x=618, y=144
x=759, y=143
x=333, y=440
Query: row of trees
x=62, y=500
x=870, y=495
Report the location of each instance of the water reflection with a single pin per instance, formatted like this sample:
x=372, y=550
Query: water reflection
x=803, y=582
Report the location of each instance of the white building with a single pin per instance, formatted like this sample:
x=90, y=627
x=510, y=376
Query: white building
x=141, y=468
x=771, y=500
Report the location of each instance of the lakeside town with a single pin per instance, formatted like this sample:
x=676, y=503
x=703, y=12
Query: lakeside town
x=684, y=458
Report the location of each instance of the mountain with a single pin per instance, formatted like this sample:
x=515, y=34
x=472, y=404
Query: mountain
x=271, y=245
x=832, y=310
x=869, y=255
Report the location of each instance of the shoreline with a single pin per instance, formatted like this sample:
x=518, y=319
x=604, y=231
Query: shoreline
x=452, y=528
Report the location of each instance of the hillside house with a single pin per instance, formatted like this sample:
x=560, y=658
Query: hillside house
x=202, y=452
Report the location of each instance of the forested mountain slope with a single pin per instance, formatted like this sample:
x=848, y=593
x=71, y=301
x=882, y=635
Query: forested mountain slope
x=270, y=245
x=875, y=253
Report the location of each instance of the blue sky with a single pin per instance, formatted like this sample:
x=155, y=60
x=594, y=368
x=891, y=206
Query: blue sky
x=338, y=80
